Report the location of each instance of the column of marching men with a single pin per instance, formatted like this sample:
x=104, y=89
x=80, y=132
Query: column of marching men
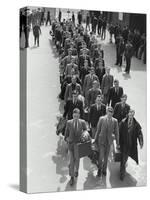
x=94, y=100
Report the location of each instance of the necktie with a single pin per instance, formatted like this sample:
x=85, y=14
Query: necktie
x=76, y=126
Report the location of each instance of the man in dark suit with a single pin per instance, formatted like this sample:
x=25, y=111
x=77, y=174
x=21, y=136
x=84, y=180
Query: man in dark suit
x=96, y=111
x=73, y=132
x=121, y=109
x=71, y=87
x=92, y=93
x=130, y=131
x=107, y=131
x=107, y=83
x=115, y=93
x=71, y=105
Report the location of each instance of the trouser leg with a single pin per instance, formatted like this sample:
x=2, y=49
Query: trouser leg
x=101, y=156
x=93, y=132
x=38, y=41
x=76, y=160
x=106, y=154
x=71, y=162
x=124, y=158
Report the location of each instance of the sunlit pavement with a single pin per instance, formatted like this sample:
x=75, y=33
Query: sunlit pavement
x=47, y=160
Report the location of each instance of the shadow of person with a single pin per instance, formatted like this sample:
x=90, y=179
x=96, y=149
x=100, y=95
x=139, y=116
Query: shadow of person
x=94, y=182
x=126, y=76
x=61, y=160
x=33, y=47
x=87, y=165
x=115, y=182
x=71, y=188
x=53, y=47
x=14, y=186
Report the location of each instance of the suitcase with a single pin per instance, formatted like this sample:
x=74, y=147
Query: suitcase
x=116, y=153
x=83, y=149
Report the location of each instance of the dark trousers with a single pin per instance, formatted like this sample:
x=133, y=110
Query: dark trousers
x=26, y=33
x=119, y=59
x=99, y=30
x=48, y=20
x=128, y=64
x=124, y=158
x=36, y=40
x=103, y=33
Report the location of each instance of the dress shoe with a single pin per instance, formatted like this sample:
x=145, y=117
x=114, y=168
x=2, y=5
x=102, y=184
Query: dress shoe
x=76, y=174
x=71, y=181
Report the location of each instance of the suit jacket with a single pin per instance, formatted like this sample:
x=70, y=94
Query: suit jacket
x=100, y=73
x=114, y=96
x=95, y=114
x=121, y=112
x=107, y=83
x=107, y=132
x=69, y=67
x=70, y=106
x=68, y=92
x=82, y=59
x=73, y=135
x=88, y=82
x=92, y=94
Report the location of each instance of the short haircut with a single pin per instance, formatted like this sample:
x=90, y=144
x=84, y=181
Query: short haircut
x=76, y=110
x=116, y=81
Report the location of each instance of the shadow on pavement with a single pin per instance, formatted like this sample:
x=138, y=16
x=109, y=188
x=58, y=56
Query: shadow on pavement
x=14, y=186
x=61, y=160
x=94, y=182
x=71, y=188
x=115, y=182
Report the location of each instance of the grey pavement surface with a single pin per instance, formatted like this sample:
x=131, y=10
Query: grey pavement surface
x=47, y=159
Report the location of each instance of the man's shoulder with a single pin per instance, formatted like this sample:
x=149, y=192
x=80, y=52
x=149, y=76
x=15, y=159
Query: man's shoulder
x=114, y=119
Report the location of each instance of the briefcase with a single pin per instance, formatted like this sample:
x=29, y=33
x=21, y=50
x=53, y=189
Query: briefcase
x=116, y=153
x=83, y=149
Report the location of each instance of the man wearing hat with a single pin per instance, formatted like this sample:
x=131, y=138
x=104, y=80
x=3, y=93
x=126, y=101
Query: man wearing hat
x=107, y=131
x=73, y=132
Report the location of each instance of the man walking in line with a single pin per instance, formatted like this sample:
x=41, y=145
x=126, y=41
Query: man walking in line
x=73, y=132
x=130, y=132
x=96, y=111
x=107, y=83
x=115, y=93
x=107, y=131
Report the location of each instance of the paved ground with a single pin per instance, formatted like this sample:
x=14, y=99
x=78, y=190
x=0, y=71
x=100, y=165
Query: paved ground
x=47, y=160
